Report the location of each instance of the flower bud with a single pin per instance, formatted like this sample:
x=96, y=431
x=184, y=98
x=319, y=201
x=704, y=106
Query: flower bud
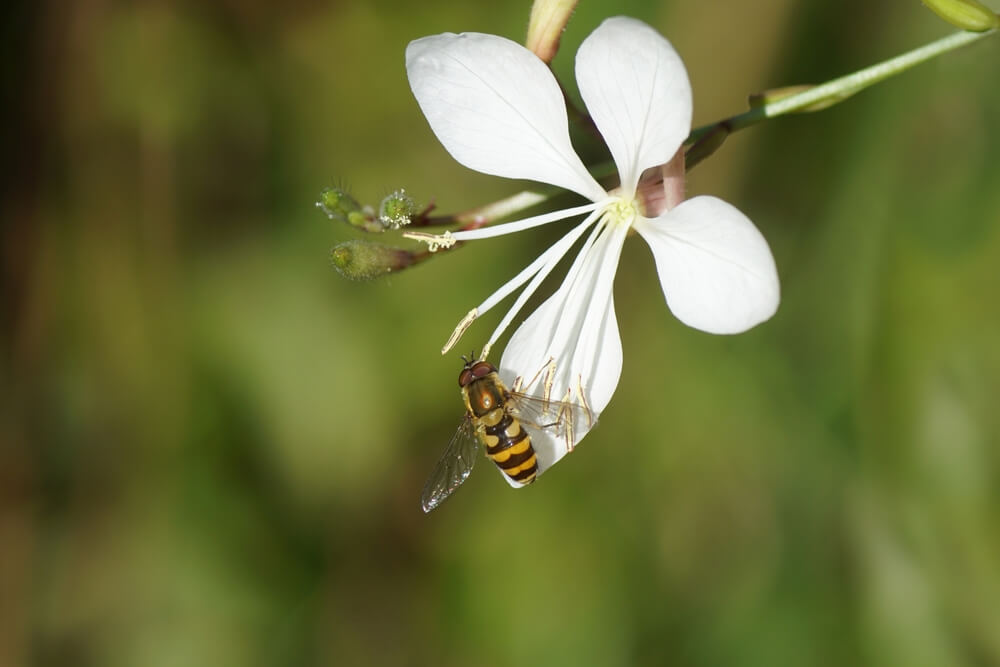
x=965, y=14
x=361, y=260
x=397, y=209
x=774, y=94
x=338, y=205
x=546, y=25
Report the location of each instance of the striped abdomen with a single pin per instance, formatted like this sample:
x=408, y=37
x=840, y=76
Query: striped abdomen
x=509, y=445
x=506, y=442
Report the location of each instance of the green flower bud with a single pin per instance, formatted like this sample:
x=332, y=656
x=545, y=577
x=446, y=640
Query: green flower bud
x=397, y=209
x=774, y=94
x=965, y=14
x=361, y=260
x=360, y=220
x=338, y=205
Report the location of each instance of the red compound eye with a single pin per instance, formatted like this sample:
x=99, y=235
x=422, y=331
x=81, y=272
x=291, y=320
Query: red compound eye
x=482, y=368
x=465, y=377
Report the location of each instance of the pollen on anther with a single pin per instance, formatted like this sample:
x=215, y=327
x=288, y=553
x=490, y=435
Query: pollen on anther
x=466, y=322
x=434, y=242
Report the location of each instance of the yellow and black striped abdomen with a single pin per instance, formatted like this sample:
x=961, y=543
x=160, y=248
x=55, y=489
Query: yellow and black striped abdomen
x=509, y=446
x=506, y=441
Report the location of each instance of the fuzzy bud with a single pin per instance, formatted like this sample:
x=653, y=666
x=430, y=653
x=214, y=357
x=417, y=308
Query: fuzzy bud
x=340, y=206
x=397, y=209
x=361, y=260
x=337, y=204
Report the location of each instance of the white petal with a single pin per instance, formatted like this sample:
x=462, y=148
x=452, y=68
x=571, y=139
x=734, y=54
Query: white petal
x=637, y=91
x=715, y=267
x=497, y=109
x=577, y=328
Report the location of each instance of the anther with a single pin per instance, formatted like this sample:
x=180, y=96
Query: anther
x=583, y=401
x=550, y=379
x=460, y=329
x=434, y=242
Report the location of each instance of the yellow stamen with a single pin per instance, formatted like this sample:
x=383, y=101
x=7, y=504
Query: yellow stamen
x=460, y=329
x=434, y=242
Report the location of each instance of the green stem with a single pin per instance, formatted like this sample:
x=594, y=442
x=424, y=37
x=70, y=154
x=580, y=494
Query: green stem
x=840, y=89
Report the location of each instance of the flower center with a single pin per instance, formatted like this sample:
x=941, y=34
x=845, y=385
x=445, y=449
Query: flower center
x=620, y=211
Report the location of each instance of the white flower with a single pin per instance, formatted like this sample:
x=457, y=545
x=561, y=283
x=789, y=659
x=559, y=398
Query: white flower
x=498, y=109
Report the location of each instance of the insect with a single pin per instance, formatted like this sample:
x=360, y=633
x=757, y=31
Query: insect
x=499, y=420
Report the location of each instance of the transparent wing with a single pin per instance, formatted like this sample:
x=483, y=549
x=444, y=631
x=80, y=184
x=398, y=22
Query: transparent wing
x=564, y=419
x=453, y=468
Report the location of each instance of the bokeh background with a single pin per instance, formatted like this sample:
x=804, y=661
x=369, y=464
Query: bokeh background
x=213, y=445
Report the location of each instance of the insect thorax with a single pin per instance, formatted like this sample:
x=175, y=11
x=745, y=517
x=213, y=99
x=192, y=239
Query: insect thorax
x=485, y=396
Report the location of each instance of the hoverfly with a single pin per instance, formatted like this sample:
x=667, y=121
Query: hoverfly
x=499, y=419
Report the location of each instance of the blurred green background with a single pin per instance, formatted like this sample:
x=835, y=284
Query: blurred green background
x=213, y=446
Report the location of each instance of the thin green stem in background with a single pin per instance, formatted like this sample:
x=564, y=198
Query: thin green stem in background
x=842, y=88
x=822, y=96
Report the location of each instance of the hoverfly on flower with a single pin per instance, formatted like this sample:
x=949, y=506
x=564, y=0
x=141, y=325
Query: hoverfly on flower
x=498, y=109
x=500, y=420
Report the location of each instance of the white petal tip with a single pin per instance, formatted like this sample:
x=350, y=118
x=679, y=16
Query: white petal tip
x=715, y=267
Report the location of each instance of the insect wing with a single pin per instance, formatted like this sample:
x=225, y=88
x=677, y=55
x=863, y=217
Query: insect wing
x=453, y=468
x=563, y=419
